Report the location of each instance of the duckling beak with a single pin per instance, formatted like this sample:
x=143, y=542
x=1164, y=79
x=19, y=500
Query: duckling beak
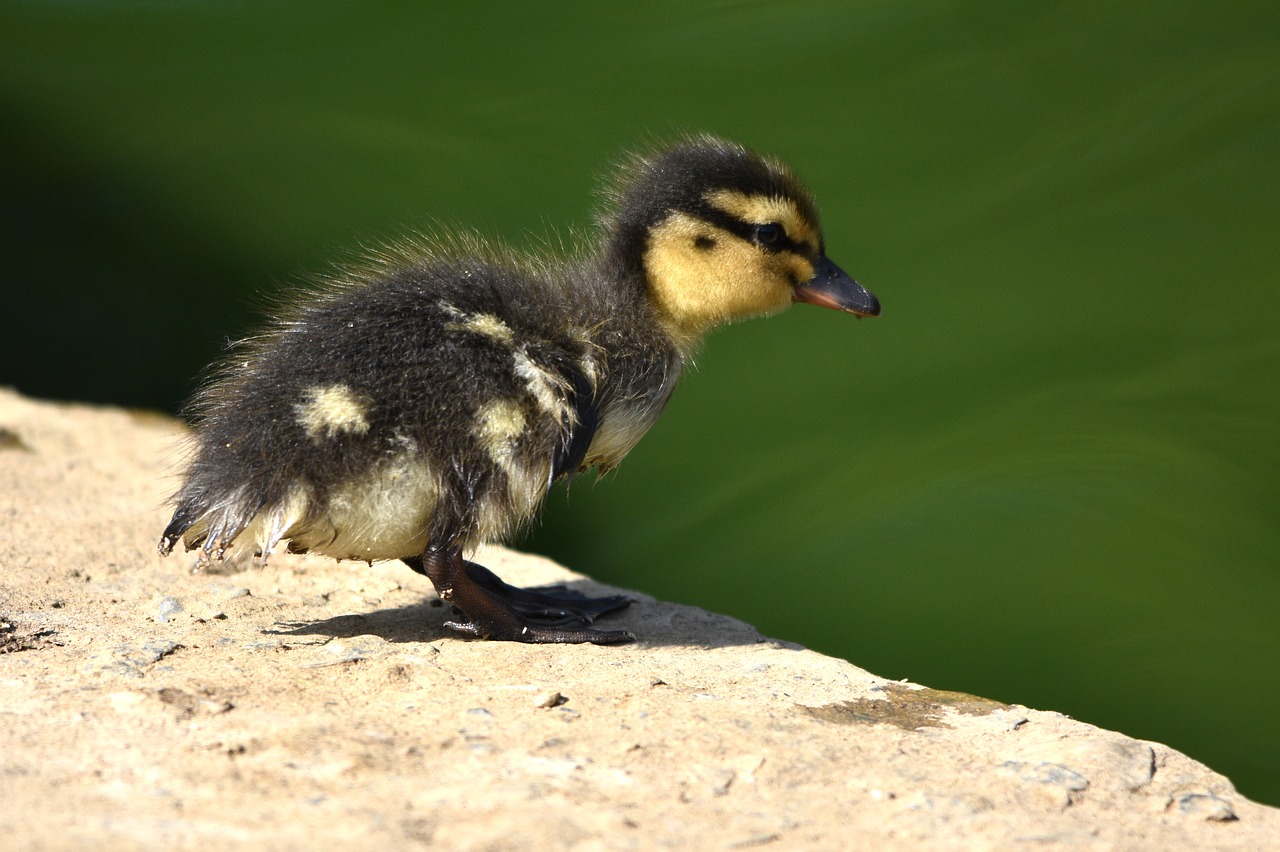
x=831, y=287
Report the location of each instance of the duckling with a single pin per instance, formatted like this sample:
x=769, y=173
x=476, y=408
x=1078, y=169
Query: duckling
x=423, y=406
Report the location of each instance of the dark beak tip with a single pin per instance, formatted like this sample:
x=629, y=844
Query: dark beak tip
x=872, y=309
x=832, y=287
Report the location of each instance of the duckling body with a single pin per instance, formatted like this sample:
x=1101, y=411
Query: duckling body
x=421, y=409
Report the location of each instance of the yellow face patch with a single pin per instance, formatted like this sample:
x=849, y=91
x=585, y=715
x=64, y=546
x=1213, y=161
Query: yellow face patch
x=764, y=209
x=702, y=276
x=331, y=410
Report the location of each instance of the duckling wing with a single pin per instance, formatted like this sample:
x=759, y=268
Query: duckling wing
x=436, y=404
x=579, y=428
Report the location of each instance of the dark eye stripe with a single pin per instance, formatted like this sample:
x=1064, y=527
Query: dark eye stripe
x=747, y=231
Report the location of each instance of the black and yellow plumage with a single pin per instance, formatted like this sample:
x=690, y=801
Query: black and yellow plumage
x=422, y=408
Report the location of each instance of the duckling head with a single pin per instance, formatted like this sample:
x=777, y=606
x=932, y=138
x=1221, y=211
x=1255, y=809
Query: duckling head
x=719, y=233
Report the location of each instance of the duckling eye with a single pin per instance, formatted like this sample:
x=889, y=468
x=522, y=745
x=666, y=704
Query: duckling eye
x=770, y=234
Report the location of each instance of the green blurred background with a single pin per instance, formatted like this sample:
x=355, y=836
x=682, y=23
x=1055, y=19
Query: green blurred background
x=1049, y=474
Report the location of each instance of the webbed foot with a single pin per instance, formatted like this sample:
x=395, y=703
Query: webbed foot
x=551, y=605
x=493, y=609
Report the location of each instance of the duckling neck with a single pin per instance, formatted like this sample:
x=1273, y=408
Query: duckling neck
x=684, y=332
x=642, y=361
x=685, y=337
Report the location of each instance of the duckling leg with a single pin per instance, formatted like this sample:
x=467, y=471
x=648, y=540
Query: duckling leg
x=482, y=598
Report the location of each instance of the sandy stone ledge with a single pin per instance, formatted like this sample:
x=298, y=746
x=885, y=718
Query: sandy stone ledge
x=311, y=704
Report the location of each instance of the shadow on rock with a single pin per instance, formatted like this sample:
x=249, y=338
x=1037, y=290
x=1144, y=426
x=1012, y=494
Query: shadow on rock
x=654, y=623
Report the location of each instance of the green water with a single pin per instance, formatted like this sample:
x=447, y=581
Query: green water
x=1049, y=474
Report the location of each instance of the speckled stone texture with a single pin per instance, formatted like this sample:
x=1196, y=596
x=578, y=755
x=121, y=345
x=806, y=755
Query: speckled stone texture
x=312, y=704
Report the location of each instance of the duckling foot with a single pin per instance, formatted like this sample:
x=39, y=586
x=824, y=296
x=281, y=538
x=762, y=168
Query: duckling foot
x=496, y=610
x=563, y=607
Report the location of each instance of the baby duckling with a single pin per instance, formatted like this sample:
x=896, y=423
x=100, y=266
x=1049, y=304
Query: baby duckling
x=418, y=410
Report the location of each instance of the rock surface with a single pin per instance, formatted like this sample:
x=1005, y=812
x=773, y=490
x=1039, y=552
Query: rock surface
x=308, y=702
